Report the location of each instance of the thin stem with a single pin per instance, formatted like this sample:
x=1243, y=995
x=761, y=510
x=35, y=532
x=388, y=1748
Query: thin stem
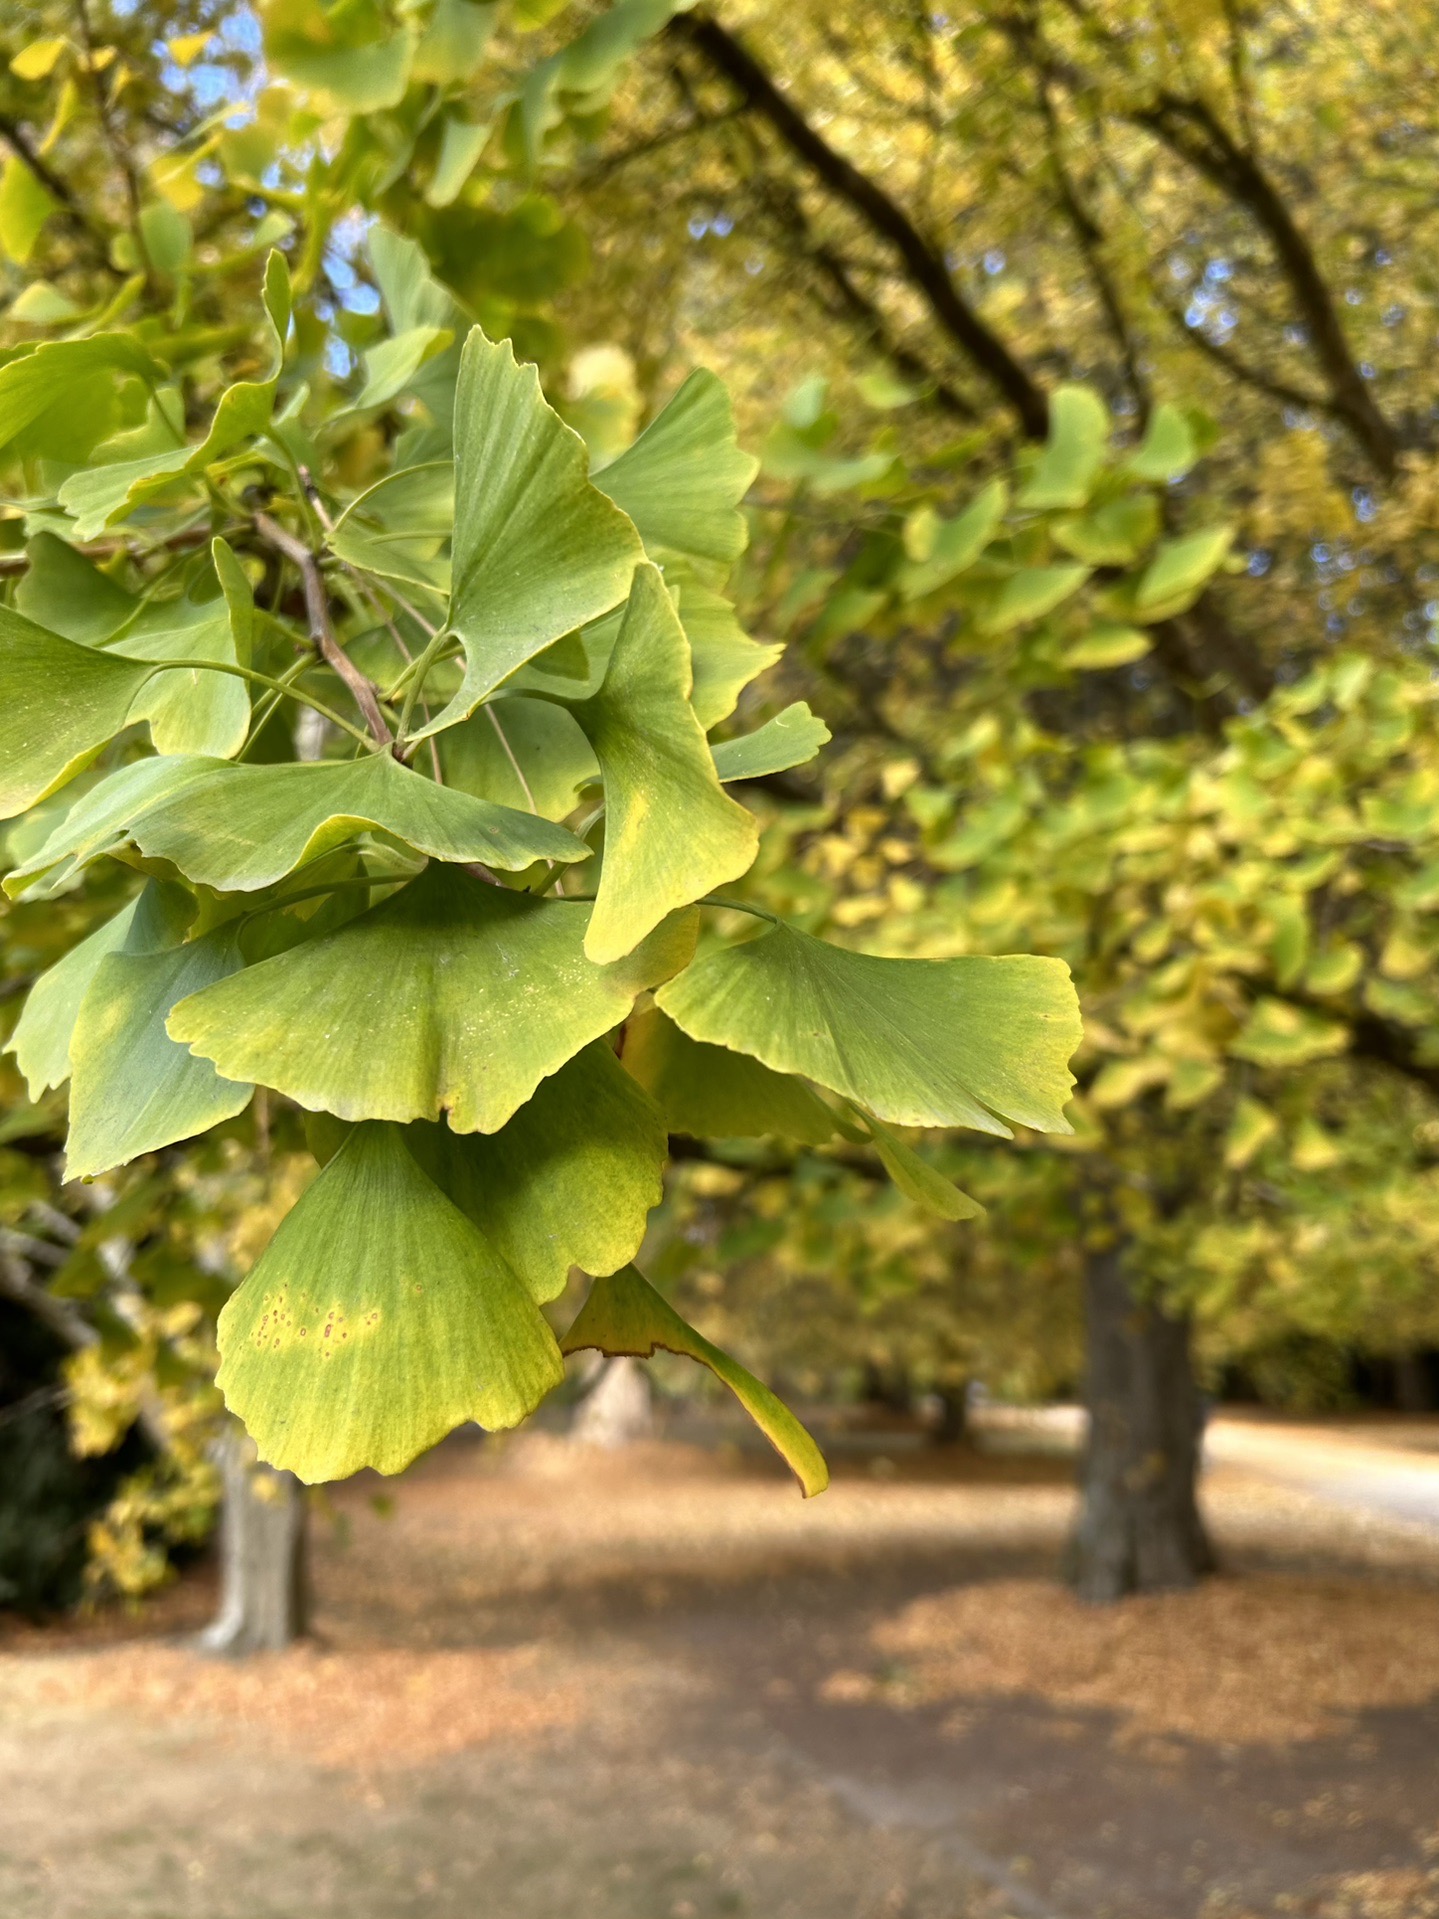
x=740, y=906
x=259, y=679
x=417, y=682
x=510, y=756
x=317, y=604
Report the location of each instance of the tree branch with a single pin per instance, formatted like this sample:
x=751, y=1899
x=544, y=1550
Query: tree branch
x=317, y=604
x=924, y=267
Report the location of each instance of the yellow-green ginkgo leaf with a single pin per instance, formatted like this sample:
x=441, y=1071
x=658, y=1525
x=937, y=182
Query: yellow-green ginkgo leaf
x=1074, y=452
x=684, y=477
x=99, y=494
x=522, y=753
x=671, y=831
x=789, y=739
x=65, y=396
x=956, y=1042
x=915, y=1177
x=99, y=822
x=956, y=544
x=624, y=1314
x=569, y=1181
x=59, y=705
x=538, y=549
x=376, y=1321
x=154, y=919
x=723, y=656
x=711, y=1092
x=189, y=710
x=132, y=1088
x=66, y=593
x=451, y=996
x=240, y=828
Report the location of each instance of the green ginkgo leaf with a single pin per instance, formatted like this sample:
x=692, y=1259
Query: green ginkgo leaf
x=99, y=822
x=624, y=1314
x=63, y=397
x=684, y=477
x=723, y=656
x=376, y=1321
x=451, y=996
x=569, y=1181
x=1028, y=594
x=711, y=1092
x=671, y=831
x=1168, y=448
x=1179, y=569
x=538, y=549
x=59, y=705
x=155, y=918
x=1073, y=454
x=957, y=1042
x=99, y=494
x=521, y=753
x=915, y=1177
x=789, y=739
x=132, y=1089
x=67, y=594
x=189, y=711
x=956, y=544
x=240, y=828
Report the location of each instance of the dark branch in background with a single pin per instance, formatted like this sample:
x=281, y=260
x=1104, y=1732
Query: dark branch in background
x=1377, y=1039
x=1241, y=370
x=119, y=152
x=317, y=605
x=924, y=267
x=853, y=302
x=60, y=191
x=1190, y=130
x=1090, y=241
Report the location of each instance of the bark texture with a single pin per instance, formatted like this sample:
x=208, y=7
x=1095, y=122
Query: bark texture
x=1139, y=1526
x=264, y=1595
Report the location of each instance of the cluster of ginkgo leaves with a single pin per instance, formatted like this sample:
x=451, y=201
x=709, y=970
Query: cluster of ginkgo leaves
x=416, y=788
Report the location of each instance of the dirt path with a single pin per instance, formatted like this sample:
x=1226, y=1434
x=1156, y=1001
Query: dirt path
x=665, y=1688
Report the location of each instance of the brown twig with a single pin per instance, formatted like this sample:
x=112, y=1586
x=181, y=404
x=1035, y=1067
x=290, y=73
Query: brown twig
x=317, y=604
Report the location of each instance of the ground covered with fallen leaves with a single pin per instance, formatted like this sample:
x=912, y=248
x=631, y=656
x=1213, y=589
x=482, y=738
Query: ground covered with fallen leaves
x=548, y=1684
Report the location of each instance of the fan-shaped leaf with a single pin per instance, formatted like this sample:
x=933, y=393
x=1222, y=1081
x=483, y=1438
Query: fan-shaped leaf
x=450, y=996
x=538, y=550
x=713, y=1093
x=1073, y=453
x=916, y=1178
x=789, y=739
x=958, y=1042
x=671, y=832
x=684, y=477
x=956, y=544
x=569, y=1181
x=723, y=656
x=624, y=1314
x=376, y=1321
x=132, y=1089
x=59, y=705
x=154, y=919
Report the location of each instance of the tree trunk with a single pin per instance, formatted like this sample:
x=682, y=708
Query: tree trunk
x=264, y=1596
x=1139, y=1526
x=617, y=1409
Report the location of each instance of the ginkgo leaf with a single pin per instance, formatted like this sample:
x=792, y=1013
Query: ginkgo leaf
x=1074, y=452
x=684, y=477
x=956, y=543
x=240, y=828
x=723, y=656
x=520, y=753
x=789, y=739
x=1179, y=569
x=957, y=1042
x=376, y=1321
x=671, y=831
x=189, y=711
x=65, y=396
x=1028, y=594
x=711, y=1092
x=451, y=996
x=100, y=494
x=538, y=549
x=59, y=705
x=132, y=1089
x=915, y=1177
x=400, y=527
x=624, y=1314
x=99, y=822
x=67, y=593
x=155, y=918
x=569, y=1181
x=1168, y=448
